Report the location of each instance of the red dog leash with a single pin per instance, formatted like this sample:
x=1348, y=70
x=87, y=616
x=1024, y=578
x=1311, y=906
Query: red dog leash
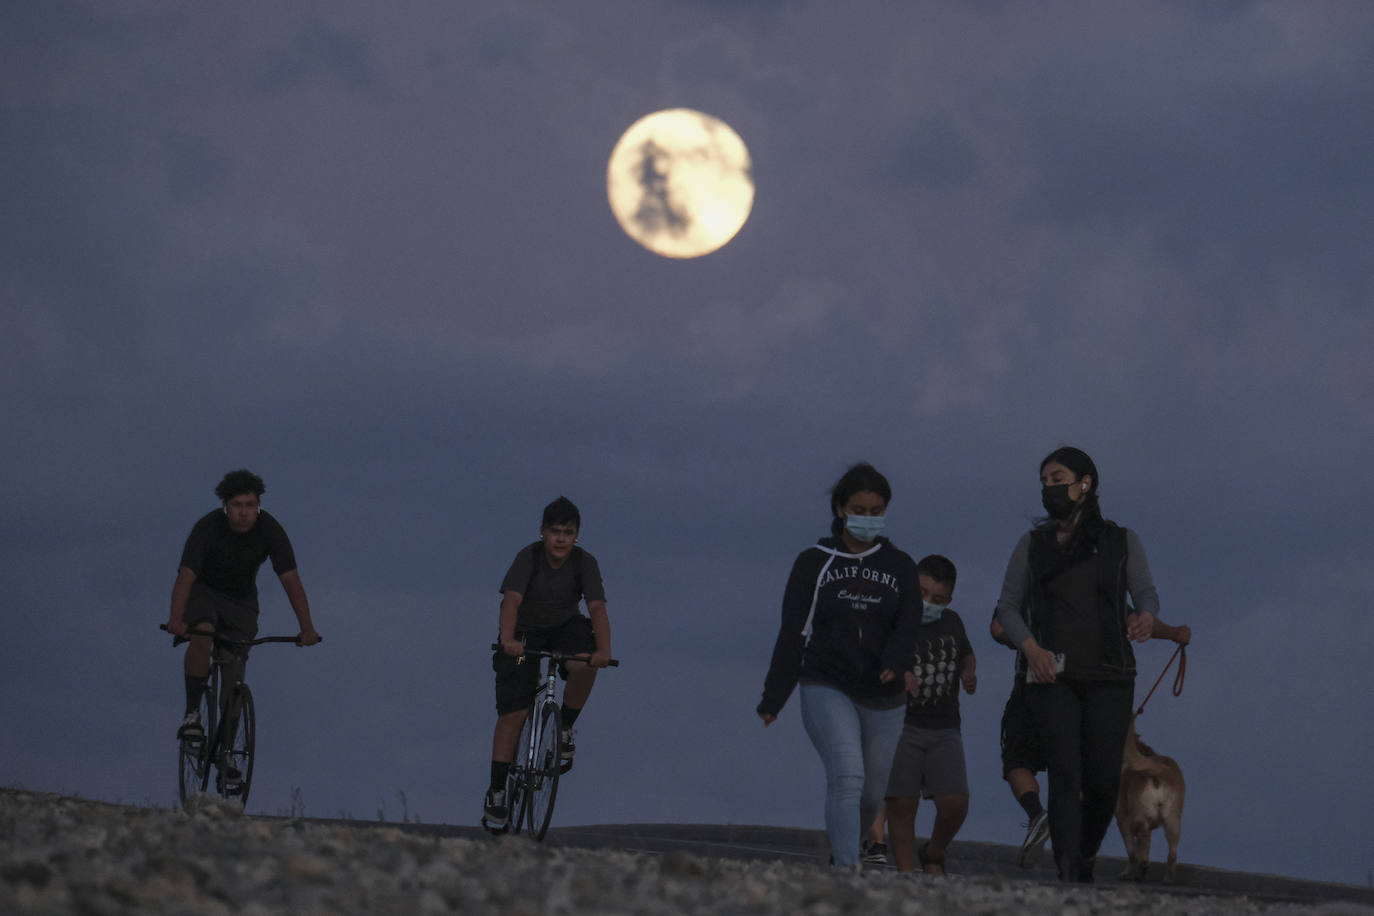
x=1182, y=657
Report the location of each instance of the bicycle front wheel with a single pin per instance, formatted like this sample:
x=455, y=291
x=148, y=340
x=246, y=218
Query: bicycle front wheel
x=543, y=779
x=517, y=783
x=236, y=749
x=193, y=763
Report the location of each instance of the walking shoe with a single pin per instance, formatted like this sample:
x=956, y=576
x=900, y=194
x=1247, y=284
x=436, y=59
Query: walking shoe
x=190, y=726
x=569, y=748
x=1037, y=833
x=874, y=853
x=494, y=809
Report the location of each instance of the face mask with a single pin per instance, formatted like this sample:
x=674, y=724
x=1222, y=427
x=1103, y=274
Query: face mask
x=1056, y=500
x=931, y=612
x=865, y=528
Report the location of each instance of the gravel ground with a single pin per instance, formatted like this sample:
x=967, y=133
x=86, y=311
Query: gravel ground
x=64, y=855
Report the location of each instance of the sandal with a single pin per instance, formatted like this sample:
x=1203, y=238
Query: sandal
x=929, y=861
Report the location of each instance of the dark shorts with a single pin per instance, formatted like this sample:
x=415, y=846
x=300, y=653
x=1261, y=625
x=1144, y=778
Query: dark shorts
x=516, y=681
x=230, y=617
x=1021, y=745
x=928, y=762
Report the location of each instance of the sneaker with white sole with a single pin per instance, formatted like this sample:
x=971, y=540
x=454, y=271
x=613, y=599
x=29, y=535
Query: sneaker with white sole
x=1037, y=833
x=190, y=726
x=495, y=811
x=874, y=854
x=568, y=749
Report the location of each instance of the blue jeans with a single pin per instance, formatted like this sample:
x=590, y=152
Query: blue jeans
x=856, y=745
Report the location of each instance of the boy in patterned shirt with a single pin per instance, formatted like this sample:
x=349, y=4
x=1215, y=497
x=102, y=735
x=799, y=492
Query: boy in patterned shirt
x=935, y=656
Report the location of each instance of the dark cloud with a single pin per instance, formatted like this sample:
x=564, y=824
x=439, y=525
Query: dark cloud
x=509, y=40
x=318, y=50
x=930, y=153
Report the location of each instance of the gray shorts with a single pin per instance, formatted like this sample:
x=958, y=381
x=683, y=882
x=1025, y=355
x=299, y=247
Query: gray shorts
x=928, y=762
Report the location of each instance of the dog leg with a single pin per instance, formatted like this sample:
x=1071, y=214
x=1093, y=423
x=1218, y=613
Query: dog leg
x=1173, y=827
x=1143, y=866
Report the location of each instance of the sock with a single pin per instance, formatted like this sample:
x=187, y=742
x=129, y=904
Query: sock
x=195, y=689
x=499, y=772
x=1031, y=803
x=570, y=715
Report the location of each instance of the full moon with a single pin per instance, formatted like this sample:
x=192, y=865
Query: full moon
x=679, y=183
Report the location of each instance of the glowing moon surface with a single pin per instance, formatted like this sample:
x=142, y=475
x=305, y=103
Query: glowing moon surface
x=679, y=183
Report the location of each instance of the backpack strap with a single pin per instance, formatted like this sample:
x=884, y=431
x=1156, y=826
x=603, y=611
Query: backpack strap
x=537, y=554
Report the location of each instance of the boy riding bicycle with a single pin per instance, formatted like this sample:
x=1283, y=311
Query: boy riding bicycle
x=540, y=595
x=216, y=585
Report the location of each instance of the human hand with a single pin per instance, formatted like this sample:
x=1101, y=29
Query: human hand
x=308, y=637
x=176, y=627
x=1140, y=626
x=600, y=658
x=913, y=683
x=768, y=718
x=969, y=679
x=1040, y=664
x=512, y=647
x=1182, y=635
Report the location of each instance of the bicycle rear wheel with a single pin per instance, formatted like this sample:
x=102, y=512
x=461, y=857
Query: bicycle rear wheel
x=236, y=748
x=193, y=764
x=543, y=779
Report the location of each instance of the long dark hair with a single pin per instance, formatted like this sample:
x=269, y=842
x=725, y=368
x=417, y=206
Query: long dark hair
x=1087, y=531
x=861, y=478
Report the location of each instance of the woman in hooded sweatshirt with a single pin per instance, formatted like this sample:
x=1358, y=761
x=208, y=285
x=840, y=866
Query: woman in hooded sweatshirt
x=843, y=601
x=1063, y=603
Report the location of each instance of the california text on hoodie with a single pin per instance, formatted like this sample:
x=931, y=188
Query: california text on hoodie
x=838, y=612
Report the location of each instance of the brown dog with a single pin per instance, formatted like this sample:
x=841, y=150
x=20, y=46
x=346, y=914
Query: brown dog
x=1150, y=796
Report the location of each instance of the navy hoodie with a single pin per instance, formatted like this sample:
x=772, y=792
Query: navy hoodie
x=838, y=612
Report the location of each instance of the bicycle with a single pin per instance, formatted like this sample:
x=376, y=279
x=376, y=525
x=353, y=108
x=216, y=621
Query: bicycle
x=532, y=784
x=226, y=710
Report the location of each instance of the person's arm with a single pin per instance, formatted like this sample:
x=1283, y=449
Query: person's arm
x=1180, y=634
x=1015, y=589
x=968, y=673
x=785, y=664
x=1141, y=586
x=601, y=626
x=510, y=609
x=295, y=593
x=999, y=634
x=899, y=650
x=181, y=591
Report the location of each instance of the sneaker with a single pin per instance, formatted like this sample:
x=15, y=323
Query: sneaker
x=1037, y=833
x=494, y=809
x=874, y=853
x=569, y=748
x=190, y=726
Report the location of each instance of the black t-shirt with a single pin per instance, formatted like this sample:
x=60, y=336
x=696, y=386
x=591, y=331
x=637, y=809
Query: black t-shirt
x=941, y=647
x=551, y=597
x=228, y=562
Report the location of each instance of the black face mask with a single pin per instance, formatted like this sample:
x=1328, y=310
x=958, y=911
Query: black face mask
x=1056, y=500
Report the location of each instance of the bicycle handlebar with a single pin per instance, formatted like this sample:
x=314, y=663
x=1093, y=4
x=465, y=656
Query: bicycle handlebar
x=178, y=640
x=559, y=656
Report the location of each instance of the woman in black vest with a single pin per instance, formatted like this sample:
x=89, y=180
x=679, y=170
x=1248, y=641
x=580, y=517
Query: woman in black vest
x=1064, y=604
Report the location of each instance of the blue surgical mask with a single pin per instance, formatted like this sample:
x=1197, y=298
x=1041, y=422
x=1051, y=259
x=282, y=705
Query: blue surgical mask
x=931, y=612
x=865, y=528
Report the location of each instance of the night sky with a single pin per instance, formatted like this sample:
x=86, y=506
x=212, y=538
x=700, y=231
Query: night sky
x=365, y=250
